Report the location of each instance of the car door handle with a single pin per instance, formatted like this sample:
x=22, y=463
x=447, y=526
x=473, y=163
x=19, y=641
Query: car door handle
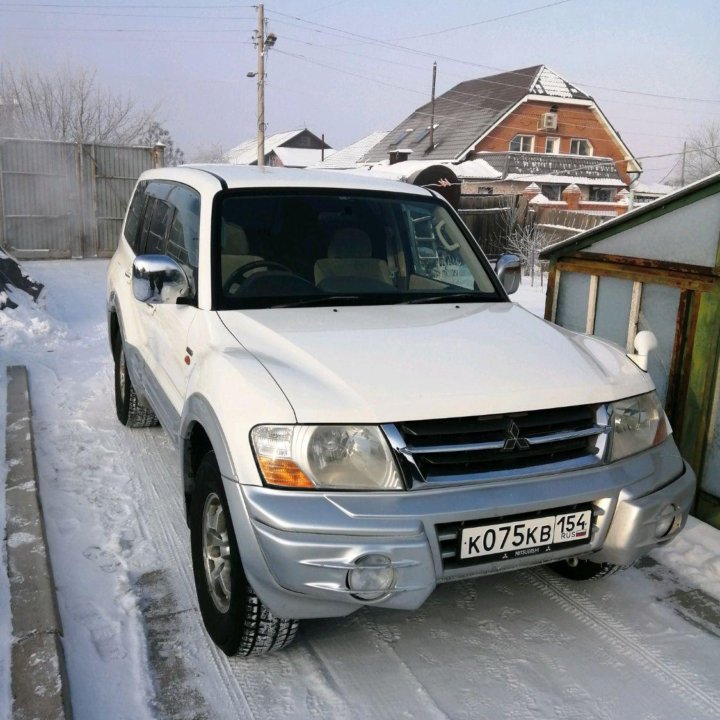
x=127, y=274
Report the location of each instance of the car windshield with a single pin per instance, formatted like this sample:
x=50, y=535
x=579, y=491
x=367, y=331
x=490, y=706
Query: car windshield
x=291, y=249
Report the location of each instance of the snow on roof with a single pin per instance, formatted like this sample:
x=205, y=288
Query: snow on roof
x=564, y=180
x=349, y=156
x=300, y=157
x=404, y=169
x=479, y=169
x=246, y=152
x=652, y=188
x=548, y=82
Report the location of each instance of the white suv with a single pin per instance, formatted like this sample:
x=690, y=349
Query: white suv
x=359, y=410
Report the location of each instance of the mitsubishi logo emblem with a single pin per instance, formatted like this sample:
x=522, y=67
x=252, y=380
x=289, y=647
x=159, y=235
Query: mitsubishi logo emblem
x=513, y=441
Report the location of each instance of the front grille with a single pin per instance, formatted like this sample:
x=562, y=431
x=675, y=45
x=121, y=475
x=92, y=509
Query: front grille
x=500, y=445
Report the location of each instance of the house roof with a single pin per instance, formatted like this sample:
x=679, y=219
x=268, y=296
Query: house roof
x=478, y=168
x=349, y=156
x=246, y=152
x=639, y=215
x=466, y=112
x=299, y=157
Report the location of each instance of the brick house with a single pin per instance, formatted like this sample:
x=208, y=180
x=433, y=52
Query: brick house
x=529, y=125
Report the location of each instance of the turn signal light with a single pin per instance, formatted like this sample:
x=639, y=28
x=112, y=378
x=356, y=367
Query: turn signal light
x=284, y=473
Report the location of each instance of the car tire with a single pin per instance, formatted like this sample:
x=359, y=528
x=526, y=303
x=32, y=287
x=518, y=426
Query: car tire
x=127, y=405
x=574, y=569
x=235, y=618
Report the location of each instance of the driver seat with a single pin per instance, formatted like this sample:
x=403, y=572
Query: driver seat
x=350, y=255
x=235, y=249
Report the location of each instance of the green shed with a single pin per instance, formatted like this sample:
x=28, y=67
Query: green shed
x=657, y=268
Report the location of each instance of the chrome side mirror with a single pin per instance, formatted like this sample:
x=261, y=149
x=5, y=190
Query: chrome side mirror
x=508, y=268
x=158, y=279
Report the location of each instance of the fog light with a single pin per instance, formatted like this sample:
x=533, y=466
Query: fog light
x=372, y=577
x=666, y=521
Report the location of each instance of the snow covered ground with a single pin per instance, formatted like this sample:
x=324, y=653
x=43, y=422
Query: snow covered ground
x=640, y=644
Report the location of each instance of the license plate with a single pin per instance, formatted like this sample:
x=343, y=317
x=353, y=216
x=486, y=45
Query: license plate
x=531, y=536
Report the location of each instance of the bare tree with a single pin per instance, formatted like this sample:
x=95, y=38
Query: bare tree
x=155, y=133
x=702, y=155
x=212, y=153
x=67, y=105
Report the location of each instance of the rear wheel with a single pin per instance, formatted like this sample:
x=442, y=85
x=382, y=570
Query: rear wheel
x=127, y=405
x=575, y=569
x=235, y=618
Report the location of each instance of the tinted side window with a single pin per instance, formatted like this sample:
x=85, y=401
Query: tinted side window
x=134, y=216
x=182, y=244
x=158, y=227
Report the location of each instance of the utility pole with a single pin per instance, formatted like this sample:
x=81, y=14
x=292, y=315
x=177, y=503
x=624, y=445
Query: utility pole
x=264, y=43
x=682, y=169
x=261, y=86
x=432, y=110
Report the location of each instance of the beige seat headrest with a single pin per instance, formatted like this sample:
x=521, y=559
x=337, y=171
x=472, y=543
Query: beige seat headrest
x=350, y=243
x=236, y=242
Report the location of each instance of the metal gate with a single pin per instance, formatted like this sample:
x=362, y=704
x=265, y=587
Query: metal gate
x=62, y=199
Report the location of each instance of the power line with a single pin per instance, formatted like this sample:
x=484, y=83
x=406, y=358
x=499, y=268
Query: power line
x=61, y=8
x=484, y=22
x=346, y=34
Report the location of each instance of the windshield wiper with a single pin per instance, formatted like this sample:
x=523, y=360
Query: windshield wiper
x=453, y=297
x=315, y=301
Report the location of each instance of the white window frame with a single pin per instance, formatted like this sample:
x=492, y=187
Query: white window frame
x=520, y=135
x=555, y=143
x=580, y=140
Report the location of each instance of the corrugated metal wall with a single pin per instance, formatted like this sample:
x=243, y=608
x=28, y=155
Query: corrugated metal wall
x=65, y=199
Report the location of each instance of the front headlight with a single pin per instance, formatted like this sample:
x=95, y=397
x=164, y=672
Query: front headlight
x=343, y=457
x=636, y=424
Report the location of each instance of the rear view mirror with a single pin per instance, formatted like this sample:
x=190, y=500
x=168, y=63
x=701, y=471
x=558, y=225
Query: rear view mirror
x=508, y=268
x=158, y=279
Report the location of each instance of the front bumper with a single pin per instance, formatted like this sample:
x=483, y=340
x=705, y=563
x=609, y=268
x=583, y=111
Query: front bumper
x=297, y=546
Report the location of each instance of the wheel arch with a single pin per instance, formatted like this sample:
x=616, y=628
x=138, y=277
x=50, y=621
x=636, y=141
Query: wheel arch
x=200, y=432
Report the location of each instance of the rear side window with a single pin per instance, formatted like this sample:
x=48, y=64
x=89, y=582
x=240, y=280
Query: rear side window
x=182, y=243
x=134, y=216
x=155, y=218
x=158, y=228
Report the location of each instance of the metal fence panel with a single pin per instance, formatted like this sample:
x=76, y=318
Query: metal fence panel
x=65, y=199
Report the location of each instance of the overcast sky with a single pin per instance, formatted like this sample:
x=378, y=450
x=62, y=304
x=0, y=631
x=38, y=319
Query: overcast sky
x=348, y=67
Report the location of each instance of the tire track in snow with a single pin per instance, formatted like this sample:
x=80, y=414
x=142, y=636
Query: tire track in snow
x=167, y=512
x=396, y=690
x=628, y=642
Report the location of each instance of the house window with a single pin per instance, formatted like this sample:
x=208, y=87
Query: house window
x=580, y=146
x=522, y=143
x=552, y=145
x=602, y=194
x=552, y=192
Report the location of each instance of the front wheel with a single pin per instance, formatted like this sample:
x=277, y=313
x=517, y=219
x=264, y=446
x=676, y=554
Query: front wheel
x=235, y=618
x=575, y=569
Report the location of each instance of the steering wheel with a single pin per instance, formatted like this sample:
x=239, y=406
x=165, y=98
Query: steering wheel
x=239, y=274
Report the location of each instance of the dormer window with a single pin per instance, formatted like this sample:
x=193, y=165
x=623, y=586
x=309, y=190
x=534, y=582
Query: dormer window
x=522, y=143
x=580, y=146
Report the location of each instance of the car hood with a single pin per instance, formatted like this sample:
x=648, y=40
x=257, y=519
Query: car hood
x=375, y=364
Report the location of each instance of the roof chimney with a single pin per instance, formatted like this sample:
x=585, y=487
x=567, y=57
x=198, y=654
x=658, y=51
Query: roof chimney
x=399, y=155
